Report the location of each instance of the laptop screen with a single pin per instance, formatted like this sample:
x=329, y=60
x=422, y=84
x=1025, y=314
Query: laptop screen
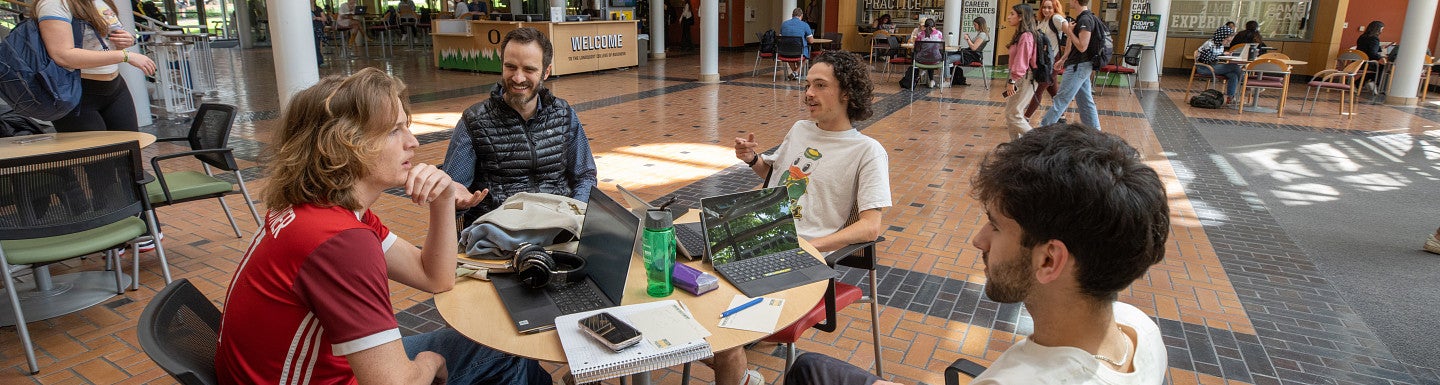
x=607, y=240
x=748, y=224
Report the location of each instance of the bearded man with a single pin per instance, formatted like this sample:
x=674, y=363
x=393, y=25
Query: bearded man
x=521, y=139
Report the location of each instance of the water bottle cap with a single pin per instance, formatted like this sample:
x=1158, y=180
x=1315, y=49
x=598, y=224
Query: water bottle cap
x=658, y=219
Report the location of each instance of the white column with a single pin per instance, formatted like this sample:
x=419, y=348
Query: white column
x=292, y=42
x=1152, y=61
x=710, y=41
x=786, y=6
x=952, y=22
x=657, y=29
x=134, y=79
x=243, y=23
x=515, y=6
x=1419, y=16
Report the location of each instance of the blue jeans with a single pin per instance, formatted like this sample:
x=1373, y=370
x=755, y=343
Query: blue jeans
x=1231, y=72
x=1076, y=85
x=472, y=363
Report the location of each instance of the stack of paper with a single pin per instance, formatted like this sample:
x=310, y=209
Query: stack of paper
x=671, y=337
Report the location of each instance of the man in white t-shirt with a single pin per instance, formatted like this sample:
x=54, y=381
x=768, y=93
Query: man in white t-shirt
x=1073, y=218
x=838, y=179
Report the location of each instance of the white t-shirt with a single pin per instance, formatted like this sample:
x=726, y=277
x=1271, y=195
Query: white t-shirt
x=461, y=9
x=59, y=10
x=1030, y=363
x=835, y=176
x=347, y=15
x=1053, y=35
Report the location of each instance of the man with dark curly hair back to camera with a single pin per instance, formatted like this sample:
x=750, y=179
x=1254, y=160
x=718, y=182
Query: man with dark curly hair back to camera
x=838, y=179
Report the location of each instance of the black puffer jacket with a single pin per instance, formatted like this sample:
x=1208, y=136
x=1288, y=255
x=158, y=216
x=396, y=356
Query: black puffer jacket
x=510, y=161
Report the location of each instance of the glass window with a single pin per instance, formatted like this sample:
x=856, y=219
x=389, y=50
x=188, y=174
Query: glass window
x=1279, y=19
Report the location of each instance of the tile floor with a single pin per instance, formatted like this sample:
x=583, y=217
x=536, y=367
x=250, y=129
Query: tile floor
x=1234, y=300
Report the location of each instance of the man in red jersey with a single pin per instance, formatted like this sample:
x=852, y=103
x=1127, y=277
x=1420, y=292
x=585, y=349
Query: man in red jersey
x=310, y=301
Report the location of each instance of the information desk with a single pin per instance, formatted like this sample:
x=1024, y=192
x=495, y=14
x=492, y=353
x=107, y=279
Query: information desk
x=583, y=46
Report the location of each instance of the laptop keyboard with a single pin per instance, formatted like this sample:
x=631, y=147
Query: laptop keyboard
x=756, y=268
x=576, y=297
x=692, y=239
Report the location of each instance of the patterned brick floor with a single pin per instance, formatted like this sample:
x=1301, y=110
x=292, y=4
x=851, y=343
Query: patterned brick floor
x=1235, y=300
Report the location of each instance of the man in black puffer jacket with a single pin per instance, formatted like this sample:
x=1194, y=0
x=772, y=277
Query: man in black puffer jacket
x=521, y=139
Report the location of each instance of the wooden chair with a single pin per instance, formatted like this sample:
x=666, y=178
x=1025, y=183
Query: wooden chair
x=1425, y=73
x=1210, y=78
x=879, y=45
x=1263, y=74
x=1343, y=81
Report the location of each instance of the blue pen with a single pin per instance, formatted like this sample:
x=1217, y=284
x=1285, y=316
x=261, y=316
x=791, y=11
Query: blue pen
x=742, y=306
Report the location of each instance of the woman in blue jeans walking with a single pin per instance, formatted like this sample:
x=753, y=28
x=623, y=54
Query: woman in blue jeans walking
x=1209, y=52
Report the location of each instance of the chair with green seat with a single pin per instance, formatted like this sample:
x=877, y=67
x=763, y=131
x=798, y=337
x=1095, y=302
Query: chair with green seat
x=66, y=205
x=209, y=139
x=929, y=55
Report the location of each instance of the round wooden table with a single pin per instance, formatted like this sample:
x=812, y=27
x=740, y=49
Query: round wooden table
x=473, y=307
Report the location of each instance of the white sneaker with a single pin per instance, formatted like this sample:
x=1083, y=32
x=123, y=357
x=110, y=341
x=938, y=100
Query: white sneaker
x=932, y=83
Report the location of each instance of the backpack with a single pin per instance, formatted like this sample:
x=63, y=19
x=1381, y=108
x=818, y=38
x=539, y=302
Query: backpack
x=1059, y=36
x=767, y=41
x=1044, y=69
x=1100, y=44
x=32, y=83
x=1211, y=99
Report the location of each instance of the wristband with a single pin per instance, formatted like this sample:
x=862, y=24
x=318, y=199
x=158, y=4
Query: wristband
x=125, y=56
x=752, y=161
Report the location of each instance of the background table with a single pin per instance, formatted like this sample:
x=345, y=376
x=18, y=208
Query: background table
x=49, y=296
x=473, y=307
x=66, y=141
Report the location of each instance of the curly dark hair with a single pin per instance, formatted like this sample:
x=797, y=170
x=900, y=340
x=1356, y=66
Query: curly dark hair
x=1087, y=189
x=854, y=78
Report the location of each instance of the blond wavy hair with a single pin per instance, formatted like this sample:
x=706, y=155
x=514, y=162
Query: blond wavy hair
x=330, y=136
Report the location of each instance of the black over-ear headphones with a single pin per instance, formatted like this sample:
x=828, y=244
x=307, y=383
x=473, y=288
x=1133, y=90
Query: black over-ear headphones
x=538, y=267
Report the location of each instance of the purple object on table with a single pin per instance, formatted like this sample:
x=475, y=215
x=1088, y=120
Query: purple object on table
x=694, y=281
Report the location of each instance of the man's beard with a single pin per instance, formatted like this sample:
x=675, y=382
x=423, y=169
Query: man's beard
x=1011, y=281
x=518, y=100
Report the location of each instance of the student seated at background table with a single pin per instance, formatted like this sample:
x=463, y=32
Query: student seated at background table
x=1209, y=53
x=1073, y=217
x=838, y=179
x=310, y=302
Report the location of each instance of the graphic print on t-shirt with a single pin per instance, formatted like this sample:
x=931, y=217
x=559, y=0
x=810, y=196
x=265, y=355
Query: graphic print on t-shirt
x=798, y=178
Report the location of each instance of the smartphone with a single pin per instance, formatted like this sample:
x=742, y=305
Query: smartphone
x=611, y=331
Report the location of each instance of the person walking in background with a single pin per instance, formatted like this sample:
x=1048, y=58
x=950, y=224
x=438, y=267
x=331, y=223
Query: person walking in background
x=1021, y=85
x=1369, y=42
x=1076, y=85
x=687, y=21
x=1048, y=23
x=105, y=102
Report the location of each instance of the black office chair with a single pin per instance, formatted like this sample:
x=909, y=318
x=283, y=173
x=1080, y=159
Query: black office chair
x=179, y=330
x=962, y=366
x=789, y=49
x=209, y=139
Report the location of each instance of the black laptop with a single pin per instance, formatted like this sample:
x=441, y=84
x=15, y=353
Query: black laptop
x=689, y=237
x=607, y=240
x=751, y=240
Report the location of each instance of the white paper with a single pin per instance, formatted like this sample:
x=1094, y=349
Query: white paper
x=759, y=318
x=667, y=325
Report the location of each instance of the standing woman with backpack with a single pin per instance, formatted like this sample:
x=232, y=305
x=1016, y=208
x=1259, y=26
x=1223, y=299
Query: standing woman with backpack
x=105, y=103
x=1021, y=86
x=1048, y=23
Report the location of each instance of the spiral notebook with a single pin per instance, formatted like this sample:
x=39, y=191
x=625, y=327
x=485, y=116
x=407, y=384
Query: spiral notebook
x=671, y=337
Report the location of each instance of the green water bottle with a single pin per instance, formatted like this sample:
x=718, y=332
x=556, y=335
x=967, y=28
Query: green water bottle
x=658, y=250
